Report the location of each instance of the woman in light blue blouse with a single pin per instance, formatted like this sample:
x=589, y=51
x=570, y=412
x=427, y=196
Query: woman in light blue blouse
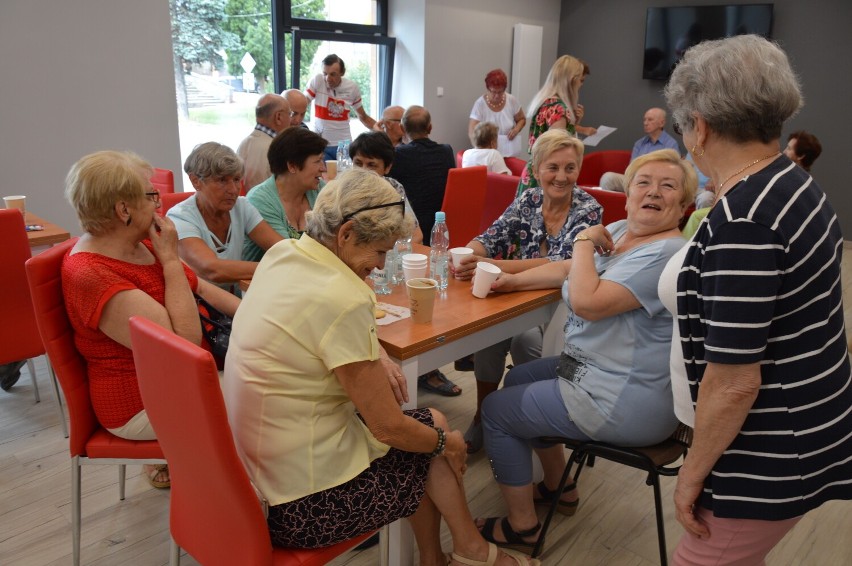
x=214, y=223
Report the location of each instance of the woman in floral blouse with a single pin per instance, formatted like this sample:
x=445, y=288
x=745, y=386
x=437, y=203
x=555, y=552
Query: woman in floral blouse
x=555, y=106
x=538, y=227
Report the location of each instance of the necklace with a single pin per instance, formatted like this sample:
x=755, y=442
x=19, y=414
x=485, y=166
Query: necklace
x=489, y=98
x=755, y=162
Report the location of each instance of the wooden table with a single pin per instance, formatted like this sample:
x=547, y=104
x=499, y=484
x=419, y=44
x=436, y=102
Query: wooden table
x=52, y=234
x=461, y=324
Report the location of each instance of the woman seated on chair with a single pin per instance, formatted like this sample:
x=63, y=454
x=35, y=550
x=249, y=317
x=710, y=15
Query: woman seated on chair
x=214, y=223
x=538, y=228
x=296, y=161
x=611, y=382
x=126, y=263
x=314, y=401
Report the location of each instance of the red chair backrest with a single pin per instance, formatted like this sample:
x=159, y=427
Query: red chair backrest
x=168, y=200
x=600, y=162
x=19, y=337
x=612, y=202
x=464, y=201
x=515, y=165
x=215, y=514
x=44, y=273
x=163, y=180
x=459, y=155
x=500, y=191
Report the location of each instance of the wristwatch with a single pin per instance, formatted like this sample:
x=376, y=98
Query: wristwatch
x=582, y=238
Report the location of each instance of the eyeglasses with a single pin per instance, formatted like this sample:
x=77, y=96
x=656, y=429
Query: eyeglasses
x=676, y=128
x=154, y=196
x=400, y=204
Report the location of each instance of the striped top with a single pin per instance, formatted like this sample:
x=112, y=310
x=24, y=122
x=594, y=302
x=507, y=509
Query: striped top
x=761, y=283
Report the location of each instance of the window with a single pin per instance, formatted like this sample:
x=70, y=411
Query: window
x=305, y=31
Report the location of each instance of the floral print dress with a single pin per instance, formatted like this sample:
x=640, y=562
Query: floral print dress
x=551, y=110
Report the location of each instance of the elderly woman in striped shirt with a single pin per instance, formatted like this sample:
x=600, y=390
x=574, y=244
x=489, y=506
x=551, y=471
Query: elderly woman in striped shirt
x=760, y=316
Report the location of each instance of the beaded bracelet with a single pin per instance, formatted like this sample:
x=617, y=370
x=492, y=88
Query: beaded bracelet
x=442, y=442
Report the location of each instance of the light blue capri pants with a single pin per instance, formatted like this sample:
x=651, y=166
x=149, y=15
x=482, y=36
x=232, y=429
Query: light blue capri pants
x=529, y=406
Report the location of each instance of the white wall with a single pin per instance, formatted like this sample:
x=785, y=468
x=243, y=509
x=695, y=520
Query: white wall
x=77, y=77
x=461, y=43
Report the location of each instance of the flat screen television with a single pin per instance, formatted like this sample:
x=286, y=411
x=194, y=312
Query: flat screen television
x=671, y=31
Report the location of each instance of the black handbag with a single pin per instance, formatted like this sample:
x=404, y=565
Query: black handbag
x=216, y=329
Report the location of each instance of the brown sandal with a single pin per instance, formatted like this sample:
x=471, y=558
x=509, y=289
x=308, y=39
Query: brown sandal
x=493, y=553
x=152, y=473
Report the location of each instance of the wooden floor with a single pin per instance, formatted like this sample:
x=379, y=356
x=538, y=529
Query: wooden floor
x=613, y=526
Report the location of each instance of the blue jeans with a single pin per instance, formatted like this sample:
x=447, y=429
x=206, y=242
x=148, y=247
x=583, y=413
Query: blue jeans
x=529, y=406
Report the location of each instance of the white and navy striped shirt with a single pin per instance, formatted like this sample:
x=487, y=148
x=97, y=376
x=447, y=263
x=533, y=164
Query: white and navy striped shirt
x=761, y=283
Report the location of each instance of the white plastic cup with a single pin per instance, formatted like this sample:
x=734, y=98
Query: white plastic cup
x=414, y=272
x=18, y=202
x=414, y=259
x=331, y=169
x=486, y=274
x=459, y=254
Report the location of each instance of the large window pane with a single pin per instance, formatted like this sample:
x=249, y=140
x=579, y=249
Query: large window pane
x=355, y=16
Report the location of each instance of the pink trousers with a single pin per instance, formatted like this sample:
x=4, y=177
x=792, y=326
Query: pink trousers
x=732, y=542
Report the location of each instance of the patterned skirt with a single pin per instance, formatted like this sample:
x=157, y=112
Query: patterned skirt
x=390, y=489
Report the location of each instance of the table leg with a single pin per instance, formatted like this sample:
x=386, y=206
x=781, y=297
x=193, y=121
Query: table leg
x=398, y=537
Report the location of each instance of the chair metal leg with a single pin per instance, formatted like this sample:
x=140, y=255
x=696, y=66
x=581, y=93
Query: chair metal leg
x=122, y=472
x=661, y=528
x=31, y=368
x=174, y=553
x=539, y=544
x=58, y=397
x=75, y=507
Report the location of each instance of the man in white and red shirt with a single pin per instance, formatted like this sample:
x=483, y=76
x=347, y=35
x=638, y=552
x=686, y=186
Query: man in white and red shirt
x=333, y=97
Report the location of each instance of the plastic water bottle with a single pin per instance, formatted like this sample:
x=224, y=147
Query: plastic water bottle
x=439, y=256
x=401, y=247
x=344, y=162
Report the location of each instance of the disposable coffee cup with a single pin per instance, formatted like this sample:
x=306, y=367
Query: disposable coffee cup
x=421, y=298
x=331, y=169
x=458, y=254
x=486, y=274
x=18, y=202
x=414, y=259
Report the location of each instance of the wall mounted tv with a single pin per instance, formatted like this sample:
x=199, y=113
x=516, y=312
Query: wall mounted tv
x=671, y=31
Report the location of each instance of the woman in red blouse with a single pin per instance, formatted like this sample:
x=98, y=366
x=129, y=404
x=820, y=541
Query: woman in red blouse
x=126, y=263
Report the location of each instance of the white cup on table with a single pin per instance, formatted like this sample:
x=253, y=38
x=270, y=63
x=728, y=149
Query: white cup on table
x=18, y=202
x=486, y=274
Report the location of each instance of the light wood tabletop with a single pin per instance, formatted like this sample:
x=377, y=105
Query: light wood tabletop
x=52, y=233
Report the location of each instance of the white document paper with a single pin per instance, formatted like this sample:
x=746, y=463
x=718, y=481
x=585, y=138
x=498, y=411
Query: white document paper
x=603, y=131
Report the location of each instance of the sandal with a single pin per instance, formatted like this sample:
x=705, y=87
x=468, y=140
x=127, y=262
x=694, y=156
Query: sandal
x=514, y=539
x=154, y=471
x=493, y=553
x=545, y=496
x=446, y=387
x=473, y=437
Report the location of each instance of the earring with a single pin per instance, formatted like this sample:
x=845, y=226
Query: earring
x=695, y=153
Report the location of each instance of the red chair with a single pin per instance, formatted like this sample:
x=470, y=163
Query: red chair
x=613, y=203
x=500, y=191
x=600, y=162
x=464, y=201
x=89, y=443
x=163, y=180
x=168, y=200
x=214, y=512
x=19, y=338
x=515, y=165
x=459, y=155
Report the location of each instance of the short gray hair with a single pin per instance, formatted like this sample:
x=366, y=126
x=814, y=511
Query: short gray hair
x=743, y=86
x=212, y=159
x=350, y=193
